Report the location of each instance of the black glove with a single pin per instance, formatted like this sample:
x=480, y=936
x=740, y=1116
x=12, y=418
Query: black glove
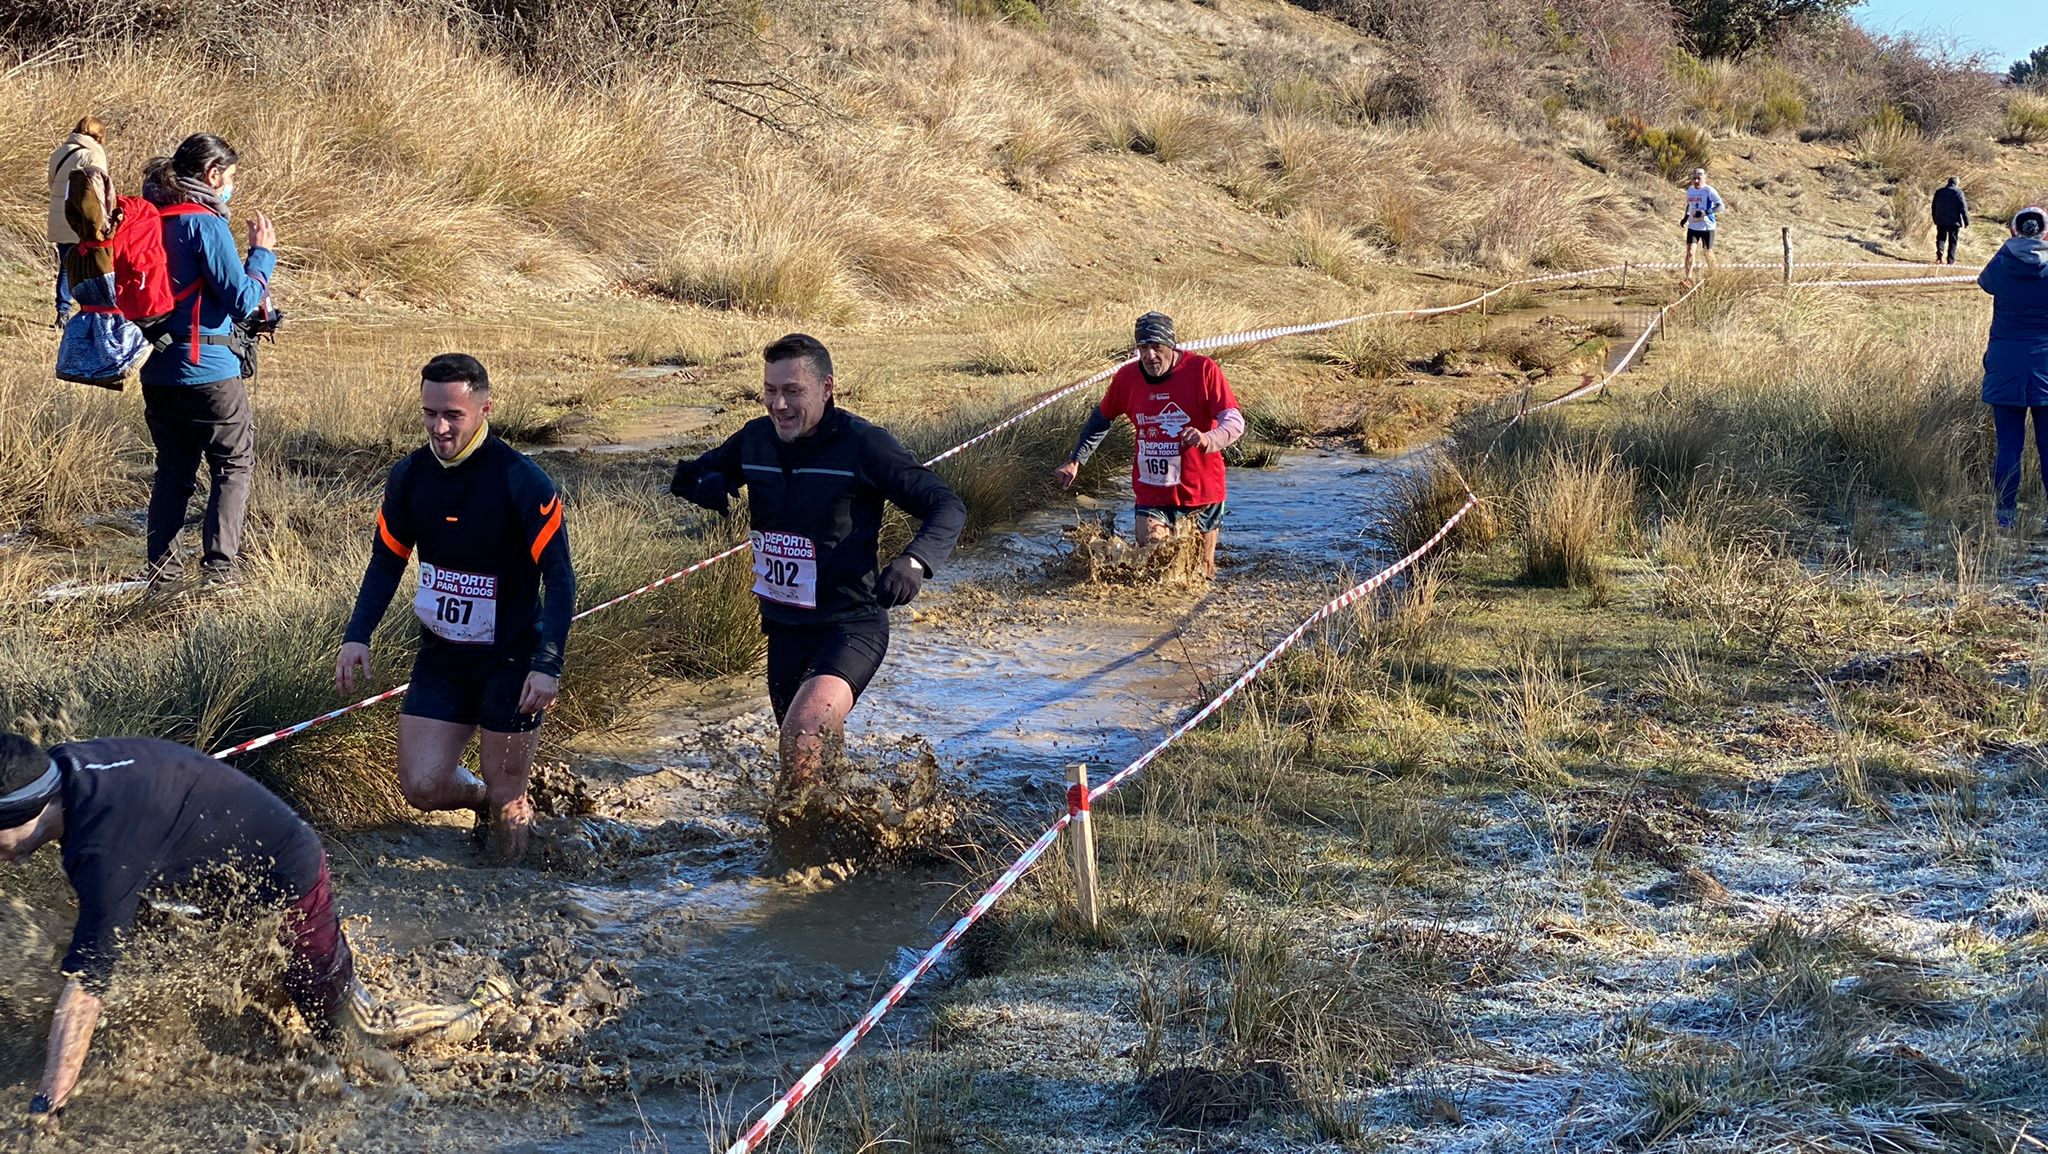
x=707, y=490
x=900, y=582
x=40, y=1104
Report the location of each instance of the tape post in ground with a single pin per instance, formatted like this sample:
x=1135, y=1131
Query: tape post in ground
x=811, y=1078
x=808, y=1083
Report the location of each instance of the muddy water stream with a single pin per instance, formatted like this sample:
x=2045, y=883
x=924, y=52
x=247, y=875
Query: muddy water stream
x=668, y=968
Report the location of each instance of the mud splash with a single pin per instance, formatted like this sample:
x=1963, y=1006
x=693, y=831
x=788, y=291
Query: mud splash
x=668, y=968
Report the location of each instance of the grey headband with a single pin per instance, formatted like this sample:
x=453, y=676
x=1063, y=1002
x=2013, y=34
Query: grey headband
x=27, y=803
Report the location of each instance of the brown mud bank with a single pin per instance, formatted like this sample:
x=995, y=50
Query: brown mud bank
x=671, y=968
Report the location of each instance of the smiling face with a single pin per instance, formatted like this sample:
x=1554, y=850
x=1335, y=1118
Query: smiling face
x=795, y=395
x=453, y=412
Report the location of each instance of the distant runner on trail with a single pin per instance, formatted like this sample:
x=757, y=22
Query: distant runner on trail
x=816, y=478
x=1702, y=206
x=1185, y=416
x=137, y=817
x=1951, y=217
x=488, y=526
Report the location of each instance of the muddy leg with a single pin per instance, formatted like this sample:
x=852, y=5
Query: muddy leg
x=430, y=771
x=1209, y=553
x=1151, y=531
x=814, y=732
x=507, y=760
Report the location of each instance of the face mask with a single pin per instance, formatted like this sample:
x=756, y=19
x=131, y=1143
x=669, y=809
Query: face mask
x=227, y=194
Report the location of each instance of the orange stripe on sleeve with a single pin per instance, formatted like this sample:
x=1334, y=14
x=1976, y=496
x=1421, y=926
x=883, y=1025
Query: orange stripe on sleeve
x=553, y=511
x=390, y=542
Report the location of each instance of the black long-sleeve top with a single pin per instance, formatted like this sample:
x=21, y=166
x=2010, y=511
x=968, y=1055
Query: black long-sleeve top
x=143, y=815
x=821, y=496
x=490, y=534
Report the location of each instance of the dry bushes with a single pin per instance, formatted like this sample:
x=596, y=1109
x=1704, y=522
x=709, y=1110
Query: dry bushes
x=435, y=171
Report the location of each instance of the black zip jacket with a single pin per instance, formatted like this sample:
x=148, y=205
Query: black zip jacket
x=143, y=815
x=829, y=487
x=496, y=515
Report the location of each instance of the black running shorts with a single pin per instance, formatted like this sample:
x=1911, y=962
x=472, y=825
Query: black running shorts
x=849, y=650
x=1703, y=237
x=470, y=688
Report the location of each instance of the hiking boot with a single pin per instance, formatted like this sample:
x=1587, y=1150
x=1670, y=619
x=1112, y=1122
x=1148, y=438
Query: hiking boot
x=219, y=579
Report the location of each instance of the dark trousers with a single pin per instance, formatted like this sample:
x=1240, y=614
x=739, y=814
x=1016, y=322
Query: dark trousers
x=2011, y=423
x=1946, y=234
x=63, y=285
x=188, y=423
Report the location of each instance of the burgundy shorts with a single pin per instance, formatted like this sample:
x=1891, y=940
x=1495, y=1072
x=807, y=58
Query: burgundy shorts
x=322, y=969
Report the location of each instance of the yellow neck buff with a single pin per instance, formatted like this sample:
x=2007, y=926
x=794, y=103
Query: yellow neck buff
x=483, y=432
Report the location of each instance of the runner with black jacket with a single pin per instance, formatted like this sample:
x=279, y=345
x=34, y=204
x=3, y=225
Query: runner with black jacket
x=816, y=478
x=136, y=816
x=488, y=526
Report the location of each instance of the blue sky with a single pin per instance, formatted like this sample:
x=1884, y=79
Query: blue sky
x=2006, y=29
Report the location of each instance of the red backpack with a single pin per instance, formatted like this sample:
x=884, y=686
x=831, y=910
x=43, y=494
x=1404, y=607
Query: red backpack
x=142, y=278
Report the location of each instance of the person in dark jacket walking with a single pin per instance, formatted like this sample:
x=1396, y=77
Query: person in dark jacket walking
x=1951, y=217
x=2016, y=356
x=816, y=478
x=193, y=399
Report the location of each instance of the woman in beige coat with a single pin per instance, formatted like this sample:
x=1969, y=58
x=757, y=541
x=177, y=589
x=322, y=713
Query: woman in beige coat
x=84, y=148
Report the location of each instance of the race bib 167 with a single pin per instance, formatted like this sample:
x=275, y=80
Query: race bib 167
x=457, y=606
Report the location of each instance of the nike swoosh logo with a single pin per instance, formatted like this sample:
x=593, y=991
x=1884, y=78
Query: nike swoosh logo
x=553, y=504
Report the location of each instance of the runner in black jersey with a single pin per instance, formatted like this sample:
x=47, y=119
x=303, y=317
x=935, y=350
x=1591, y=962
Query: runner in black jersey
x=488, y=526
x=139, y=818
x=135, y=816
x=816, y=477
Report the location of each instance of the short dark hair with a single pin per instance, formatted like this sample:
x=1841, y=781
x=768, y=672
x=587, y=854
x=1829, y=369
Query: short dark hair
x=21, y=761
x=201, y=153
x=457, y=368
x=800, y=347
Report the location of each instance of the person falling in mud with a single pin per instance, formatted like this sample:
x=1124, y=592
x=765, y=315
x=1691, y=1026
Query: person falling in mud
x=488, y=526
x=1185, y=416
x=816, y=478
x=135, y=816
x=1702, y=207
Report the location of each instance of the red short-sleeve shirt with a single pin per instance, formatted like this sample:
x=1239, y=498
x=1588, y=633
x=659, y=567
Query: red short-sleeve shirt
x=1193, y=395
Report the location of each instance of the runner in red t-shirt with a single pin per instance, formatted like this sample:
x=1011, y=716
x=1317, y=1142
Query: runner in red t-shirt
x=1185, y=416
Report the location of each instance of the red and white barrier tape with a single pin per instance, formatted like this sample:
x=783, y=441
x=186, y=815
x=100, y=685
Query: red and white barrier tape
x=804, y=1086
x=1050, y=399
x=809, y=1082
x=1203, y=344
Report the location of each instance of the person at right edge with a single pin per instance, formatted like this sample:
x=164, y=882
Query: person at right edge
x=1951, y=217
x=193, y=399
x=816, y=477
x=2016, y=355
x=1185, y=416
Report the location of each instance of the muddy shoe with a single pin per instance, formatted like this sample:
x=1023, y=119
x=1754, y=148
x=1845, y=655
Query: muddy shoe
x=480, y=829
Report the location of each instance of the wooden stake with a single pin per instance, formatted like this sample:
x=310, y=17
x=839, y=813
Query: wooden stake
x=1081, y=841
x=1624, y=276
x=1785, y=235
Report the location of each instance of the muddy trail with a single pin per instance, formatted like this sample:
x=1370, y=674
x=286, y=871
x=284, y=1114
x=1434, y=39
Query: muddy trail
x=672, y=969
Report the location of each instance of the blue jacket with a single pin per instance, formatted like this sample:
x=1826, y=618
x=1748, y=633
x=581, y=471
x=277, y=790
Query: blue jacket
x=199, y=249
x=2016, y=357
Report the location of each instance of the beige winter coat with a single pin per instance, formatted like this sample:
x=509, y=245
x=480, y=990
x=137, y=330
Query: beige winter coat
x=77, y=151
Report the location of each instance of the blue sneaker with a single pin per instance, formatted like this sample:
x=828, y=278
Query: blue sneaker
x=2007, y=518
